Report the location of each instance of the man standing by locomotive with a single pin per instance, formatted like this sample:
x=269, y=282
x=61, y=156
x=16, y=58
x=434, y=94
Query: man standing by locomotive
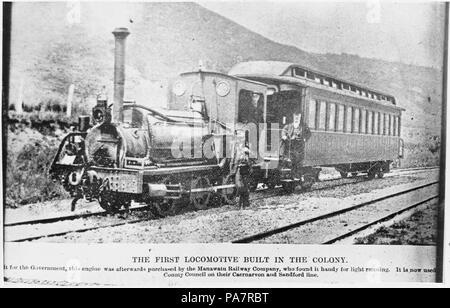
x=294, y=136
x=242, y=166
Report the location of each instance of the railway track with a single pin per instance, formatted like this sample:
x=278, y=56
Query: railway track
x=47, y=220
x=380, y=220
x=261, y=194
x=293, y=226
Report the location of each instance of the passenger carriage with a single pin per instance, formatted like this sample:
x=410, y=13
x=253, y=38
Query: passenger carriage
x=353, y=128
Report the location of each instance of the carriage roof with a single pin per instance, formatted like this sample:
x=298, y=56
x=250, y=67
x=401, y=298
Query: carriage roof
x=277, y=72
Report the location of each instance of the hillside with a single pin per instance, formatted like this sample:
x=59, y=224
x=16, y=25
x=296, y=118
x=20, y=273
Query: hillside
x=170, y=38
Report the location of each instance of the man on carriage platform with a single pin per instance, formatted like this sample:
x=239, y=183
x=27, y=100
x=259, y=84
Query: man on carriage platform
x=293, y=139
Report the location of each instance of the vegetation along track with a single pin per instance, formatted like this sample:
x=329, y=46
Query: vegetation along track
x=260, y=194
x=283, y=229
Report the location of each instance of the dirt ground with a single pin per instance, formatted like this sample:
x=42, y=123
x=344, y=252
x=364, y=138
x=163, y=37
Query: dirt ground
x=419, y=229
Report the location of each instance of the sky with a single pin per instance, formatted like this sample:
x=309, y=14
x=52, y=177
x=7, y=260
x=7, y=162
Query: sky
x=411, y=33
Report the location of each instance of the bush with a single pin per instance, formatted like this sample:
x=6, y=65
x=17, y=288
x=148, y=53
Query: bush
x=27, y=179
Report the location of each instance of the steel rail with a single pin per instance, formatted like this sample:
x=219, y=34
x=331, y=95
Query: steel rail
x=48, y=220
x=33, y=238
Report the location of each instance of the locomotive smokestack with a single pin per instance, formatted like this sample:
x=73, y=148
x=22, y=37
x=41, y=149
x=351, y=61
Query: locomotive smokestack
x=120, y=35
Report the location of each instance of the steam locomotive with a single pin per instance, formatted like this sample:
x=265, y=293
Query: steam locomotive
x=189, y=153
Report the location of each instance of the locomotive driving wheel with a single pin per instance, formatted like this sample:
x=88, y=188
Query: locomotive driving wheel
x=169, y=206
x=200, y=199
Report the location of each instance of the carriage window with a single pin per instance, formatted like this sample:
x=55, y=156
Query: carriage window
x=340, y=118
x=348, y=120
x=299, y=72
x=310, y=75
x=382, y=121
x=390, y=126
x=312, y=114
x=386, y=124
x=355, y=124
x=322, y=115
x=369, y=122
x=376, y=125
x=395, y=125
x=332, y=117
x=362, y=126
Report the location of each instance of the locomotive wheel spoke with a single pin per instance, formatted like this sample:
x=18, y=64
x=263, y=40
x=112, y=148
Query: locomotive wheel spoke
x=170, y=206
x=200, y=200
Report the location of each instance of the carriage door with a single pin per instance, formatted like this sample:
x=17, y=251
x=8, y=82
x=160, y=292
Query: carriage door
x=251, y=109
x=291, y=114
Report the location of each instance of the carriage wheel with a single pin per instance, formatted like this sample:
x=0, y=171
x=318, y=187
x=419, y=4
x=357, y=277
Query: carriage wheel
x=110, y=201
x=229, y=194
x=380, y=173
x=200, y=200
x=344, y=175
